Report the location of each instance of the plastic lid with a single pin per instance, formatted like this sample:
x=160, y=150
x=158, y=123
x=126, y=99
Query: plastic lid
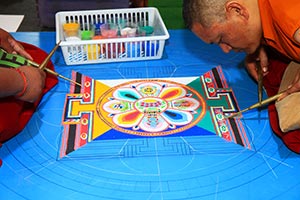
x=71, y=26
x=86, y=35
x=97, y=25
x=148, y=29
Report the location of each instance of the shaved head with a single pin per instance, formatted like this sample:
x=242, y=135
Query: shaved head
x=205, y=12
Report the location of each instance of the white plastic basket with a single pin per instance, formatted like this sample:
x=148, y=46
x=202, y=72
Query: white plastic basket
x=124, y=49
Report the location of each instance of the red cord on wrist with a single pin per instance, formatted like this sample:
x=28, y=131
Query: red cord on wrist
x=24, y=81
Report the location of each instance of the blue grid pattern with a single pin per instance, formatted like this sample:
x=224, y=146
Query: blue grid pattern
x=157, y=168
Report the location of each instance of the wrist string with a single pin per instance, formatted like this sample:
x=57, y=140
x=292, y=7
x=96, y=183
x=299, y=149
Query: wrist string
x=25, y=83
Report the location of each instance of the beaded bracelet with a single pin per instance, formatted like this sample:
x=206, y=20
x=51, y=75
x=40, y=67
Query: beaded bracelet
x=24, y=81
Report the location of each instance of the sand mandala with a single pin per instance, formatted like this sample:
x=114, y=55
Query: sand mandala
x=129, y=109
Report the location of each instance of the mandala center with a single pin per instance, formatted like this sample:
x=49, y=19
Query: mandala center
x=151, y=105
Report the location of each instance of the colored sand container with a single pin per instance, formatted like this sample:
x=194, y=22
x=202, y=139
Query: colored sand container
x=87, y=34
x=93, y=51
x=128, y=32
x=71, y=29
x=148, y=29
x=150, y=49
x=133, y=49
x=97, y=28
x=109, y=30
x=98, y=37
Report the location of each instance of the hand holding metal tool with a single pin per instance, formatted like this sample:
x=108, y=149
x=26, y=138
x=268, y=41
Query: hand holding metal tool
x=45, y=62
x=257, y=105
x=25, y=61
x=55, y=73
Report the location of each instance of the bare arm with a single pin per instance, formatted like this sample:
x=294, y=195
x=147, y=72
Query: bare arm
x=26, y=83
x=11, y=82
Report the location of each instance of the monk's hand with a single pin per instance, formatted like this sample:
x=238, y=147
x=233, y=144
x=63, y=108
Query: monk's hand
x=260, y=57
x=9, y=44
x=294, y=87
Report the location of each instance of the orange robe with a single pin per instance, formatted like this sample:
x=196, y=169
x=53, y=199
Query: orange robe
x=280, y=19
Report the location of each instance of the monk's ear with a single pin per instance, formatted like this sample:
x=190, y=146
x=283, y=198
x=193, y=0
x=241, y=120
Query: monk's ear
x=236, y=8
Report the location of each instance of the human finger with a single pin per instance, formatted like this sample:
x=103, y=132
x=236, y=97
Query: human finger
x=252, y=69
x=263, y=60
x=17, y=48
x=294, y=87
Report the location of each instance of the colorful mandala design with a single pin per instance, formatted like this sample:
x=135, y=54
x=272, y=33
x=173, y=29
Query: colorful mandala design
x=151, y=107
x=195, y=106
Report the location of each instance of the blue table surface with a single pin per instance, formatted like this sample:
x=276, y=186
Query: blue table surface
x=212, y=171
